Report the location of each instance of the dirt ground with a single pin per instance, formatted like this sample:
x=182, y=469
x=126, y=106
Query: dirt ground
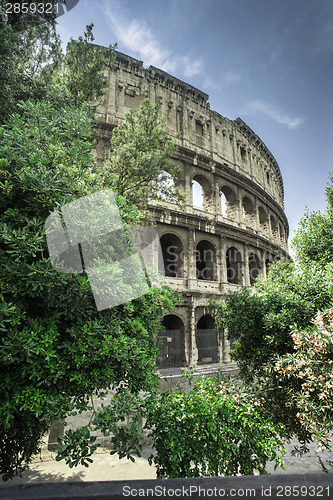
x=105, y=467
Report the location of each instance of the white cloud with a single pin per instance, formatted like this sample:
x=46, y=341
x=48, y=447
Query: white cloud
x=273, y=112
x=190, y=67
x=231, y=78
x=210, y=84
x=137, y=37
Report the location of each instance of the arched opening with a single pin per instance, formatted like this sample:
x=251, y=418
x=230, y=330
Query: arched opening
x=234, y=266
x=228, y=204
x=282, y=235
x=224, y=204
x=172, y=251
x=254, y=267
x=263, y=218
x=206, y=261
x=274, y=226
x=171, y=343
x=201, y=193
x=198, y=195
x=247, y=209
x=206, y=339
x=165, y=186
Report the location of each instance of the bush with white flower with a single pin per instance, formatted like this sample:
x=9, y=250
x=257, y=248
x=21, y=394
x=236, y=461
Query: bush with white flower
x=307, y=377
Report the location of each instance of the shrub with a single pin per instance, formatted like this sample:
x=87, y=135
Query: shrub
x=211, y=431
x=307, y=377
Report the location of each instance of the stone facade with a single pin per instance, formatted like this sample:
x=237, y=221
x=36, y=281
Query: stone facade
x=228, y=237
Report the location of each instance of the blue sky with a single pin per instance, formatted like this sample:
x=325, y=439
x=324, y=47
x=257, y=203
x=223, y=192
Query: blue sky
x=270, y=62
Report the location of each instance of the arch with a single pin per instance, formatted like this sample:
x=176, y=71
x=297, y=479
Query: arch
x=234, y=266
x=206, y=340
x=201, y=193
x=228, y=202
x=170, y=342
x=274, y=226
x=282, y=233
x=224, y=204
x=197, y=195
x=172, y=251
x=247, y=209
x=165, y=186
x=206, y=261
x=262, y=217
x=254, y=267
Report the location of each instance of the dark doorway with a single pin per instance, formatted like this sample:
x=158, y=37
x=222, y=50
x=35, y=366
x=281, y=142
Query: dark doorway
x=171, y=343
x=206, y=339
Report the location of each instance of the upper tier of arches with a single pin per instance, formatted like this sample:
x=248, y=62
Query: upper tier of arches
x=210, y=194
x=189, y=118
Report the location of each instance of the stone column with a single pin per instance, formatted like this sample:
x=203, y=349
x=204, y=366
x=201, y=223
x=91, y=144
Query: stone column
x=111, y=95
x=246, y=266
x=256, y=215
x=188, y=188
x=250, y=161
x=191, y=258
x=222, y=262
x=240, y=218
x=187, y=330
x=193, y=346
x=217, y=203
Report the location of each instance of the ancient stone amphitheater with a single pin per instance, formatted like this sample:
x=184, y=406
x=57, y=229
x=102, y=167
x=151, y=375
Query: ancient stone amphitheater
x=232, y=225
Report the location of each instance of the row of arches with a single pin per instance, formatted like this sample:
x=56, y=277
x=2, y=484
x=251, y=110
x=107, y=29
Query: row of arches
x=206, y=258
x=228, y=206
x=171, y=342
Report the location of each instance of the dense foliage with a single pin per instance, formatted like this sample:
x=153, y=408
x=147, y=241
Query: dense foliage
x=80, y=79
x=29, y=54
x=259, y=323
x=277, y=333
x=213, y=429
x=56, y=348
x=307, y=376
x=34, y=68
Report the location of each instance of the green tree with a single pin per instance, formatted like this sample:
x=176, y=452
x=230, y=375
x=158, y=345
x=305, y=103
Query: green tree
x=306, y=376
x=261, y=323
x=33, y=66
x=30, y=53
x=56, y=348
x=139, y=160
x=82, y=74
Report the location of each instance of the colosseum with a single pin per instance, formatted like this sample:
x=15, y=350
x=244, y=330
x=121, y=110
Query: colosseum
x=232, y=225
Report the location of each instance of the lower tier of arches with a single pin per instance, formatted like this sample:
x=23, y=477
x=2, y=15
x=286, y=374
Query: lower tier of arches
x=190, y=337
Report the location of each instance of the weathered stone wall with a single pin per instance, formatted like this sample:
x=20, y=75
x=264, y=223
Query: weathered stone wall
x=241, y=226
